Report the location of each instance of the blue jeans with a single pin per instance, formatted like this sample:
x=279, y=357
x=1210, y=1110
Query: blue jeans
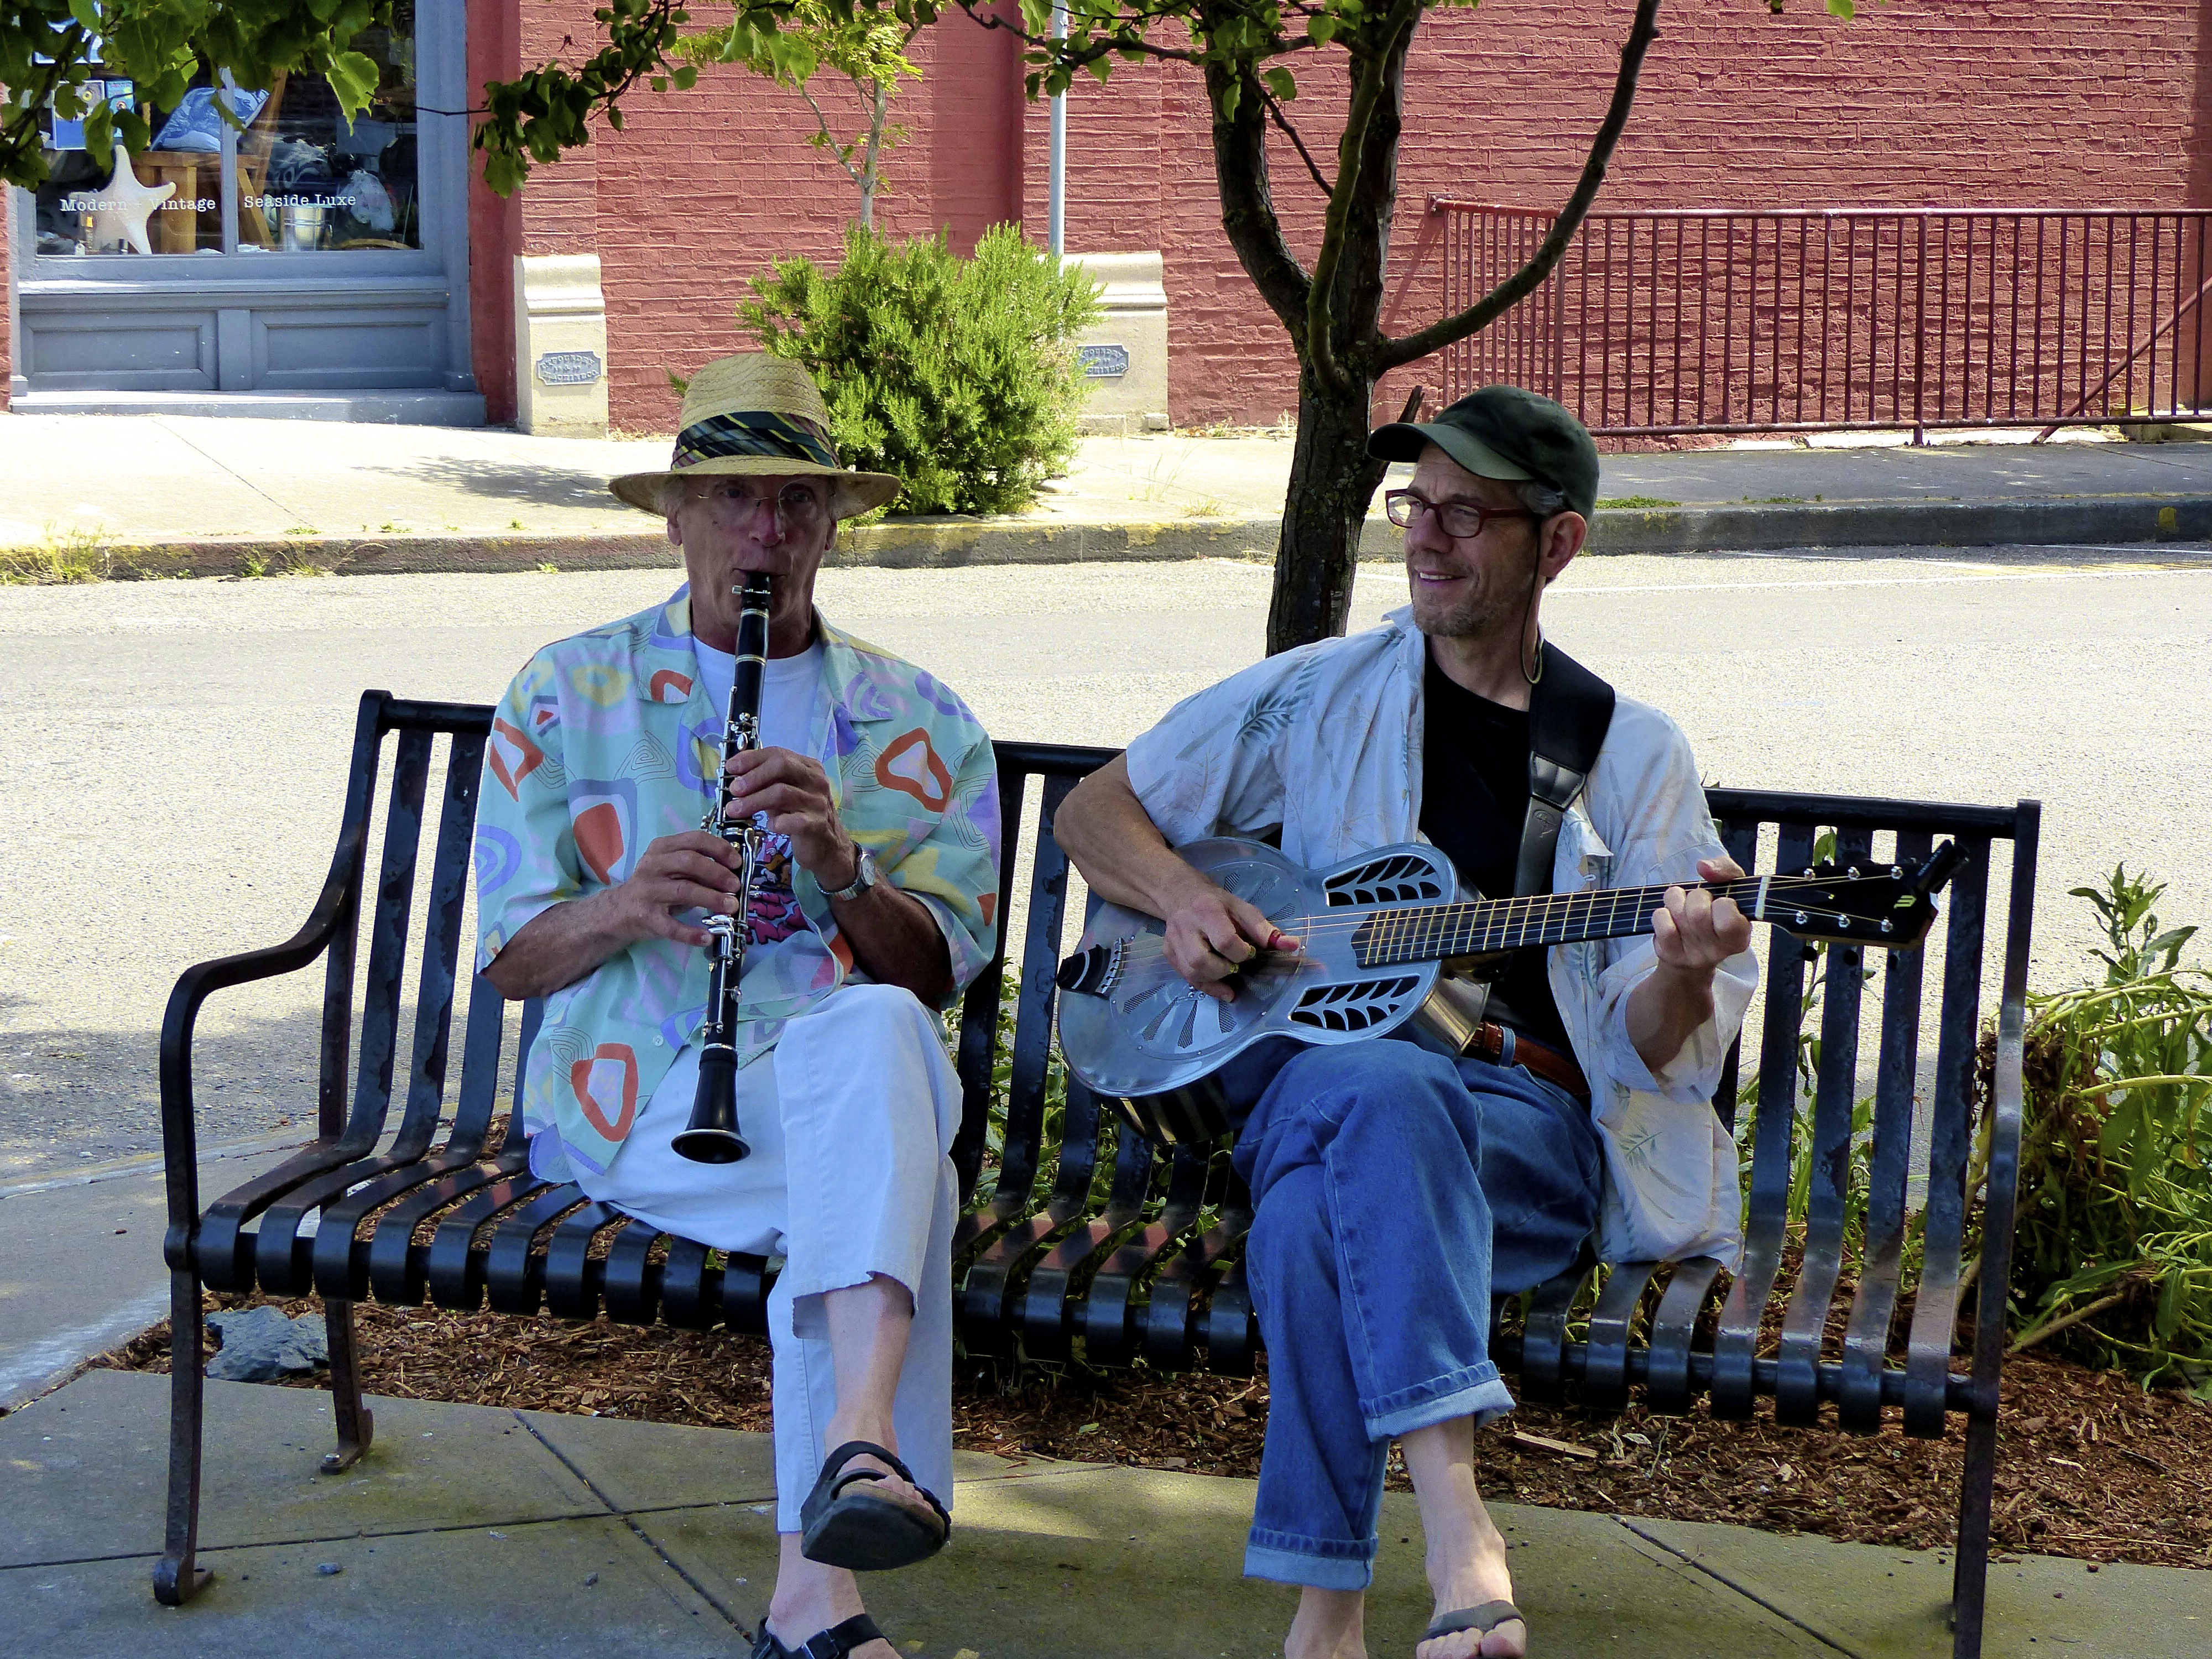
x=1395, y=1193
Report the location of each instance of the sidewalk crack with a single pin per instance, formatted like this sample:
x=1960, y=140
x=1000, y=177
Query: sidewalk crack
x=1742, y=1590
x=218, y=462
x=639, y=1533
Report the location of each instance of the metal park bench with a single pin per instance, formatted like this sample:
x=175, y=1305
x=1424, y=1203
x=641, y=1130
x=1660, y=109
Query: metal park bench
x=437, y=1208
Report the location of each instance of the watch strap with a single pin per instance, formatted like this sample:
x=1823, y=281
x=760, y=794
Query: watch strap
x=864, y=876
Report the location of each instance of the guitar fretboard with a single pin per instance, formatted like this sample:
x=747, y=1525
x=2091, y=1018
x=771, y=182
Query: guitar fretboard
x=1430, y=932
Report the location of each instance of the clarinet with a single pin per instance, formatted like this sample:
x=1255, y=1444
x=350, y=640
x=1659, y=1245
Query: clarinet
x=712, y=1136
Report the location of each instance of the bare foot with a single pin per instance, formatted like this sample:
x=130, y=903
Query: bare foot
x=1328, y=1626
x=1478, y=1576
x=1466, y=1552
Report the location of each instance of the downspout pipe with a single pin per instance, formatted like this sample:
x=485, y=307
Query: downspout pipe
x=1056, y=209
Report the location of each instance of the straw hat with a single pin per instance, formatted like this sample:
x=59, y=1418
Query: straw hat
x=755, y=414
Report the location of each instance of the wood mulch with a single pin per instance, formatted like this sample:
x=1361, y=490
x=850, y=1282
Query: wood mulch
x=2089, y=1464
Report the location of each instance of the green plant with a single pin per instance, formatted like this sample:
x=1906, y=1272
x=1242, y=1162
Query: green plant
x=63, y=557
x=954, y=375
x=1635, y=500
x=2113, y=1241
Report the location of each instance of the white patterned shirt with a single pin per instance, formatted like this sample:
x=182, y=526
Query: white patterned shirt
x=1322, y=745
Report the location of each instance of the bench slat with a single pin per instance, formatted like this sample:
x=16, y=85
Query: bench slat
x=1866, y=1339
x=1934, y=1313
x=1796, y=1399
x=1735, y=1342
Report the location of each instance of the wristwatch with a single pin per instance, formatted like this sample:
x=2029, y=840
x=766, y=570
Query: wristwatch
x=864, y=876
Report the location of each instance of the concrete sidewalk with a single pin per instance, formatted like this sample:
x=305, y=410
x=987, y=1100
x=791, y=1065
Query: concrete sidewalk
x=471, y=1533
x=81, y=1267
x=185, y=494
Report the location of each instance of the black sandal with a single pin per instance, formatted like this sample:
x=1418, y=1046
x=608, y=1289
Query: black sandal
x=860, y=1531
x=1482, y=1620
x=832, y=1643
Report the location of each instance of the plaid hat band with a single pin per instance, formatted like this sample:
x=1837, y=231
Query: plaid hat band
x=754, y=432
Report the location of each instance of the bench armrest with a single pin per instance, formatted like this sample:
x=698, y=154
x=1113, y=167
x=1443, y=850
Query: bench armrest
x=334, y=909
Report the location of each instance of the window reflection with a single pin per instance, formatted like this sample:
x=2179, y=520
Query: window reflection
x=304, y=177
x=310, y=180
x=164, y=201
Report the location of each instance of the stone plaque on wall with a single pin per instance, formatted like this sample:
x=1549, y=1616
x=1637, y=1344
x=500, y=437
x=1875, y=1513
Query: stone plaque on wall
x=569, y=367
x=1104, y=362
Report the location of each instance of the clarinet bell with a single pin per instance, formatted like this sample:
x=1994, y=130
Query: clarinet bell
x=712, y=1135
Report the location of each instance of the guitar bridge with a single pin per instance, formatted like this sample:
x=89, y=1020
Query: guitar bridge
x=1095, y=972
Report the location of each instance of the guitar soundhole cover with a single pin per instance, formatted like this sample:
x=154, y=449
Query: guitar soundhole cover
x=1354, y=1007
x=1400, y=878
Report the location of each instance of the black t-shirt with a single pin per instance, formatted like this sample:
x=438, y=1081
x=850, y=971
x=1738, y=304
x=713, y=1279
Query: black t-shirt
x=1474, y=800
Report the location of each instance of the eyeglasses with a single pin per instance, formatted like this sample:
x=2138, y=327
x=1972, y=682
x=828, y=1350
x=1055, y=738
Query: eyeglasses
x=794, y=504
x=1460, y=520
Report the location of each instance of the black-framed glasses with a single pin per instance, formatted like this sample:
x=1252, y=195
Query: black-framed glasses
x=1460, y=520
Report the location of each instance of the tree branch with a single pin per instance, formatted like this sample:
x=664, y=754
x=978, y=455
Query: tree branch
x=829, y=138
x=1275, y=112
x=1247, y=208
x=1366, y=99
x=1525, y=281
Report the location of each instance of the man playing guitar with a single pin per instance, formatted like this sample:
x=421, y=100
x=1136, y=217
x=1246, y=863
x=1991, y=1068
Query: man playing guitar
x=1367, y=1159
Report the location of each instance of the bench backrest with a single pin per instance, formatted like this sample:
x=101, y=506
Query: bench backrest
x=1139, y=1255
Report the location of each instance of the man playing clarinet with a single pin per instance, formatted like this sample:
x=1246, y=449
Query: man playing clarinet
x=873, y=904
x=1398, y=1189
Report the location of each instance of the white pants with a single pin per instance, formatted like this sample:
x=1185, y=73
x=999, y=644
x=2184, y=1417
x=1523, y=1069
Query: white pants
x=851, y=1122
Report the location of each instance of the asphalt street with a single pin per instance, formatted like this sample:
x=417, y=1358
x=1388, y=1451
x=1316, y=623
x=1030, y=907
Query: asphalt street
x=177, y=750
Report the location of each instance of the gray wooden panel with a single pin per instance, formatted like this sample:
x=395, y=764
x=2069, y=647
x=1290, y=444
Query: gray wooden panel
x=327, y=348
x=123, y=349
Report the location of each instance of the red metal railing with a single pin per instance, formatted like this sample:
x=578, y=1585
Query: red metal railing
x=1806, y=320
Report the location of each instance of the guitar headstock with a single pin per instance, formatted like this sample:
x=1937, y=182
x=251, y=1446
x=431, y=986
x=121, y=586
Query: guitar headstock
x=1859, y=902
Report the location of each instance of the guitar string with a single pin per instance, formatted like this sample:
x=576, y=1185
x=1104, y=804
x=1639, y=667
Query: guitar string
x=1394, y=932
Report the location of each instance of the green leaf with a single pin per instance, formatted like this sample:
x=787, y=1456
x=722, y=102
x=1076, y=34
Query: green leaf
x=353, y=76
x=2171, y=1296
x=1845, y=8
x=1321, y=30
x=1280, y=83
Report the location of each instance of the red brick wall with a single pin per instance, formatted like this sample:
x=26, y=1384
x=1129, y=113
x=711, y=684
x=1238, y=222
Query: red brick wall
x=703, y=189
x=1964, y=102
x=494, y=227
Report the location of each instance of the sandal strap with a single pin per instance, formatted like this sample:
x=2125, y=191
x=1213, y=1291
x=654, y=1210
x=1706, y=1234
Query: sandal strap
x=841, y=1640
x=1484, y=1618
x=852, y=1448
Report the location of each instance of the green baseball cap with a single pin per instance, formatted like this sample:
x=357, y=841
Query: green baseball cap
x=1503, y=431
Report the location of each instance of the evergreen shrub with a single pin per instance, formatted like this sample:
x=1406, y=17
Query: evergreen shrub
x=957, y=376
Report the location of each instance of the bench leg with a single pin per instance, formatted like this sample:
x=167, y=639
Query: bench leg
x=1970, y=1570
x=178, y=1576
x=356, y=1426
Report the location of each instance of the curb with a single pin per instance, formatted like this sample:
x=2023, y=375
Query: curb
x=940, y=544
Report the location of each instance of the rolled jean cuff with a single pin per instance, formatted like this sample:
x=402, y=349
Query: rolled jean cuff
x=1284, y=1558
x=1475, y=1392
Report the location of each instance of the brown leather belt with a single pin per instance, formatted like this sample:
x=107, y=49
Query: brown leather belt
x=1502, y=1046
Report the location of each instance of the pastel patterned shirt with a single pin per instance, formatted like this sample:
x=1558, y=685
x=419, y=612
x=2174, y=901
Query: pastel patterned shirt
x=1323, y=744
x=606, y=742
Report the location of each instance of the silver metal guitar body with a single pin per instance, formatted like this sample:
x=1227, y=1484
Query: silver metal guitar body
x=1149, y=1043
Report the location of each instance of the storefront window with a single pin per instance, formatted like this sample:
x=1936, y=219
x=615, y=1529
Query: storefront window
x=300, y=177
x=164, y=201
x=310, y=181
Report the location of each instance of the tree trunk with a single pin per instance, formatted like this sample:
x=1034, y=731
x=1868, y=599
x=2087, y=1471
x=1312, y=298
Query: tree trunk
x=872, y=178
x=1332, y=482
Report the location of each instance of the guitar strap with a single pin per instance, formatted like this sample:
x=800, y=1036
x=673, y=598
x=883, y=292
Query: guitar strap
x=1569, y=711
